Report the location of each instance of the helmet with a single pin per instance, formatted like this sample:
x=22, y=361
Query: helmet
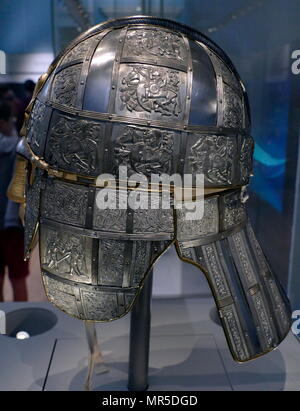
x=152, y=97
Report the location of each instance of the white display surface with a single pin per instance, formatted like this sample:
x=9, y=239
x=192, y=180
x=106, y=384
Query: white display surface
x=188, y=351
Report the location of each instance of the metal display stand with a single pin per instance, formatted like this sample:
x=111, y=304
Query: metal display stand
x=138, y=347
x=140, y=339
x=96, y=363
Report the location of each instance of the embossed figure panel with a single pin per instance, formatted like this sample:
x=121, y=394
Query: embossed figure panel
x=37, y=128
x=227, y=75
x=153, y=44
x=100, y=305
x=65, y=85
x=61, y=295
x=109, y=219
x=66, y=254
x=268, y=333
x=240, y=252
x=230, y=79
x=233, y=112
x=246, y=159
x=252, y=284
x=213, y=265
x=99, y=76
x=233, y=211
x=144, y=150
x=274, y=289
x=142, y=253
x=73, y=144
x=153, y=220
x=235, y=333
x=108, y=273
x=150, y=92
x=65, y=202
x=193, y=229
x=144, y=213
x=79, y=51
x=214, y=156
x=204, y=97
x=131, y=261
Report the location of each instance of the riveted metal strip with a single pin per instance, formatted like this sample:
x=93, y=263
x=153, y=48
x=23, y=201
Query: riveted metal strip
x=47, y=122
x=208, y=256
x=107, y=234
x=265, y=327
x=130, y=278
x=151, y=62
x=240, y=302
x=235, y=333
x=242, y=259
x=219, y=81
x=127, y=263
x=106, y=153
x=90, y=208
x=280, y=306
x=189, y=82
x=85, y=69
x=128, y=247
x=95, y=257
x=32, y=212
x=236, y=164
x=78, y=299
x=215, y=271
x=107, y=146
x=264, y=322
x=115, y=72
x=182, y=154
x=39, y=123
x=121, y=303
x=214, y=237
x=88, y=287
x=115, y=118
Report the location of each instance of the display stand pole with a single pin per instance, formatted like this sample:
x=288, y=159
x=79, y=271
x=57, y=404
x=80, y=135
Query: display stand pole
x=96, y=362
x=140, y=339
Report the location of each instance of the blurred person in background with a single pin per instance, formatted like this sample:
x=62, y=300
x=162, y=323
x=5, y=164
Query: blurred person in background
x=11, y=229
x=8, y=96
x=28, y=88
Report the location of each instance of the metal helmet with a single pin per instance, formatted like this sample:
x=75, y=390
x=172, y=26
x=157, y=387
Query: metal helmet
x=154, y=97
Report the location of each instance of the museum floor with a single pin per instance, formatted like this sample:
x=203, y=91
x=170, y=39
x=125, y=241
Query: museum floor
x=188, y=352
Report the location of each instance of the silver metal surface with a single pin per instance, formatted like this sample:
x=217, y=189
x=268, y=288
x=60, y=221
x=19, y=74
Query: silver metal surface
x=154, y=97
